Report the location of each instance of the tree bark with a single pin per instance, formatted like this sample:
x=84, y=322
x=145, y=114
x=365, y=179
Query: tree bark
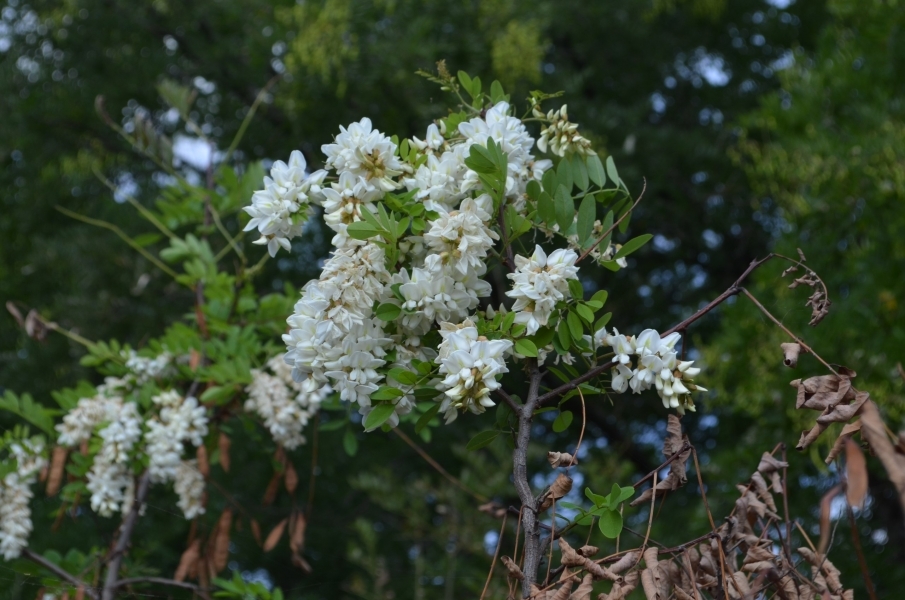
x=522, y=485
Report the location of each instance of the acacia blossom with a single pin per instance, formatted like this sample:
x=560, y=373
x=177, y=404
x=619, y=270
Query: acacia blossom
x=538, y=283
x=15, y=495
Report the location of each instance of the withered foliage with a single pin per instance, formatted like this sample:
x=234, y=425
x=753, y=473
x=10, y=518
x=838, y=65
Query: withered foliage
x=818, y=301
x=673, y=443
x=740, y=559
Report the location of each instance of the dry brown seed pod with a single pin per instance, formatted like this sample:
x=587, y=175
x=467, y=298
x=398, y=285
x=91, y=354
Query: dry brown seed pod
x=790, y=352
x=273, y=538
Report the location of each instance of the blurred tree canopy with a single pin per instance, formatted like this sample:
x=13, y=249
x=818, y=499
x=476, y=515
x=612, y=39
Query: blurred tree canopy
x=756, y=125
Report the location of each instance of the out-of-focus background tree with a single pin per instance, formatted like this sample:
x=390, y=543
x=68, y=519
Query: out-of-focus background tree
x=757, y=125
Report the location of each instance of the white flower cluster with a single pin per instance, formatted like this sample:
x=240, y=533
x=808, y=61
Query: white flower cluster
x=15, y=494
x=280, y=210
x=561, y=135
x=539, y=283
x=334, y=336
x=145, y=369
x=285, y=405
x=658, y=366
x=470, y=364
x=189, y=486
x=111, y=479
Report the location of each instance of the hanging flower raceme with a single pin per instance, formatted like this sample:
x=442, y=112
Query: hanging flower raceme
x=15, y=495
x=561, y=135
x=470, y=364
x=656, y=365
x=538, y=283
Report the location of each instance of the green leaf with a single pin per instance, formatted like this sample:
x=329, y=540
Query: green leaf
x=575, y=326
x=568, y=505
x=388, y=311
x=526, y=348
x=25, y=407
x=426, y=394
x=587, y=213
x=565, y=338
x=549, y=181
x=533, y=190
x=395, y=288
x=612, y=172
x=610, y=523
x=479, y=160
x=546, y=210
x=426, y=418
x=607, y=224
x=496, y=92
x=350, y=443
x=565, y=208
x=576, y=289
x=361, y=230
x=625, y=493
x=562, y=421
x=465, y=80
x=475, y=90
x=331, y=425
x=378, y=415
x=597, y=499
x=585, y=313
x=508, y=320
x=600, y=296
x=146, y=239
x=543, y=337
x=580, y=172
x=386, y=392
x=218, y=394
x=564, y=175
x=602, y=321
x=482, y=439
x=632, y=245
x=595, y=170
x=403, y=376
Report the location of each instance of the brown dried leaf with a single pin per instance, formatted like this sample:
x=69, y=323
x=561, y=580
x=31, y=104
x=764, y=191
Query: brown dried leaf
x=560, y=488
x=194, y=359
x=649, y=584
x=588, y=551
x=273, y=538
x=11, y=307
x=769, y=464
x=847, y=432
x=256, y=531
x=571, y=558
x=874, y=431
x=291, y=477
x=763, y=491
x=626, y=562
x=513, y=569
x=34, y=326
x=223, y=443
x=855, y=475
x=80, y=592
x=297, y=532
x=758, y=559
x=583, y=591
x=738, y=586
x=57, y=469
x=273, y=487
x=844, y=412
x=790, y=352
x=220, y=554
x=621, y=589
x=299, y=562
x=561, y=459
x=563, y=592
x=188, y=561
x=673, y=441
x=204, y=465
x=801, y=255
x=825, y=505
x=808, y=437
x=494, y=509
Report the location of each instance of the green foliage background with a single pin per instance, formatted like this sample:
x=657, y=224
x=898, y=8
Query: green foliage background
x=756, y=128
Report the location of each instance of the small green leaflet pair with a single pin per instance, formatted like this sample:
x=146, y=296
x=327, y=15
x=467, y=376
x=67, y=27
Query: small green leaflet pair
x=606, y=509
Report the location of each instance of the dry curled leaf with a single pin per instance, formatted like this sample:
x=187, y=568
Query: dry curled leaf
x=629, y=560
x=57, y=469
x=223, y=444
x=297, y=532
x=273, y=487
x=188, y=562
x=583, y=591
x=561, y=459
x=588, y=551
x=513, y=569
x=494, y=509
x=571, y=558
x=35, y=327
x=855, y=475
x=790, y=352
x=560, y=488
x=621, y=589
x=220, y=554
x=847, y=432
x=291, y=477
x=273, y=538
x=874, y=432
x=769, y=464
x=673, y=443
x=825, y=509
x=204, y=465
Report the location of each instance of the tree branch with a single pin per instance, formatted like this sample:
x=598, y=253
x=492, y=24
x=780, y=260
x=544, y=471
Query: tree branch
x=59, y=572
x=128, y=526
x=158, y=580
x=520, y=478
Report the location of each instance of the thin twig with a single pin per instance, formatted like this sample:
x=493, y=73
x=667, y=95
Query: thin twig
x=58, y=571
x=665, y=463
x=158, y=580
x=614, y=225
x=779, y=324
x=496, y=554
x=865, y=572
x=248, y=117
x=509, y=400
x=787, y=543
x=438, y=468
x=125, y=536
x=584, y=419
x=650, y=517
